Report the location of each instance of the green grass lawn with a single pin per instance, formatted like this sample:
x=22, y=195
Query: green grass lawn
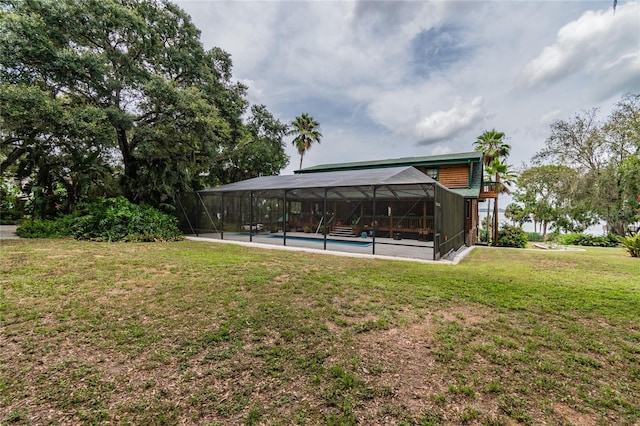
x=200, y=333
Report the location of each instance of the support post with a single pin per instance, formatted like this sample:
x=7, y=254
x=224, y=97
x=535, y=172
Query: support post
x=391, y=207
x=324, y=218
x=284, y=219
x=176, y=198
x=424, y=214
x=251, y=217
x=222, y=212
x=374, y=222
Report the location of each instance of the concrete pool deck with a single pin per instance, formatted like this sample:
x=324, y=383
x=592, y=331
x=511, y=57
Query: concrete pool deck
x=386, y=248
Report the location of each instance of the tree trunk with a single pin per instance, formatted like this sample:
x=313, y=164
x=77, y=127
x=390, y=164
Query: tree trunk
x=488, y=223
x=130, y=168
x=495, y=212
x=495, y=222
x=11, y=158
x=617, y=227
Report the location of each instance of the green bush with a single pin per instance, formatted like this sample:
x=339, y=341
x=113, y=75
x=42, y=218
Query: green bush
x=117, y=219
x=40, y=228
x=110, y=219
x=534, y=237
x=632, y=245
x=575, y=239
x=512, y=236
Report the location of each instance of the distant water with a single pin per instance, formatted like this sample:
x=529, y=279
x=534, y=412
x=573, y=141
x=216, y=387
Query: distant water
x=528, y=227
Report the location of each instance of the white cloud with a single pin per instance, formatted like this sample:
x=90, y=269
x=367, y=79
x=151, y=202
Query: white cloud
x=549, y=117
x=244, y=29
x=342, y=44
x=446, y=124
x=255, y=94
x=441, y=150
x=381, y=86
x=589, y=45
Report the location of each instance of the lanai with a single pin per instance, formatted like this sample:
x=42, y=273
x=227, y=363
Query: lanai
x=378, y=211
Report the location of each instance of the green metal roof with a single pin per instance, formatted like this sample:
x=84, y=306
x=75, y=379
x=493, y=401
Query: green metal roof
x=474, y=188
x=467, y=192
x=433, y=160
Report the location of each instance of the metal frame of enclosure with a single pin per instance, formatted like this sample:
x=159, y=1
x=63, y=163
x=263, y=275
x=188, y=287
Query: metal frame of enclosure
x=395, y=211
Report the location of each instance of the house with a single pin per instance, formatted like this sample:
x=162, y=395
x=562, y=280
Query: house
x=462, y=173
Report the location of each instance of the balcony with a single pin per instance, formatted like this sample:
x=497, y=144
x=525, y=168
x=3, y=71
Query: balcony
x=489, y=189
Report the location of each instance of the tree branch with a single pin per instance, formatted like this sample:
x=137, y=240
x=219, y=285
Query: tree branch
x=12, y=158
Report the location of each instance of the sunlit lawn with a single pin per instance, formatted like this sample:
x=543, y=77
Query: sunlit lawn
x=202, y=333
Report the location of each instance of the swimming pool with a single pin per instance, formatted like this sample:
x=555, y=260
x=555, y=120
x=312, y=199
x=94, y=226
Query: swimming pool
x=320, y=240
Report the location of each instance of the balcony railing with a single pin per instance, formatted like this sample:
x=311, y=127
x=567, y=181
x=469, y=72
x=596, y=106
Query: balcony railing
x=489, y=189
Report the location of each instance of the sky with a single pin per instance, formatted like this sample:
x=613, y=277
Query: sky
x=391, y=79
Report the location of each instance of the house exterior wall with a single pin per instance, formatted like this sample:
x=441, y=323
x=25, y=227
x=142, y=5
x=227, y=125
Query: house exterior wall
x=454, y=176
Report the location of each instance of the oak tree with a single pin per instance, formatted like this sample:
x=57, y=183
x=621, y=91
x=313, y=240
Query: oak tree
x=122, y=87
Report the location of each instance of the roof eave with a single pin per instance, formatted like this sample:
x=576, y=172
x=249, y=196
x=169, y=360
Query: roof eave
x=463, y=158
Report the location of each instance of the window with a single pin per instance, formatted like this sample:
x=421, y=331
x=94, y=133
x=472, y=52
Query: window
x=432, y=173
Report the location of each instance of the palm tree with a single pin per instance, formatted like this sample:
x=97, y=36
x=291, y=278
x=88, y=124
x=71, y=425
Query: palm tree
x=504, y=177
x=516, y=214
x=306, y=130
x=492, y=144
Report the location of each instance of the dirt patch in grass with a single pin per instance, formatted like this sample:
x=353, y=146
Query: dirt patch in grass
x=402, y=362
x=574, y=416
x=282, y=278
x=467, y=314
x=551, y=264
x=54, y=374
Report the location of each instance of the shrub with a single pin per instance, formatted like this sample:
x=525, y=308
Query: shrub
x=40, y=228
x=117, y=219
x=632, y=245
x=110, y=219
x=483, y=235
x=572, y=239
x=575, y=239
x=552, y=236
x=612, y=240
x=534, y=237
x=512, y=236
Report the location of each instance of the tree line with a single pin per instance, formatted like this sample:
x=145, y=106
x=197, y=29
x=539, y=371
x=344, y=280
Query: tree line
x=587, y=172
x=119, y=97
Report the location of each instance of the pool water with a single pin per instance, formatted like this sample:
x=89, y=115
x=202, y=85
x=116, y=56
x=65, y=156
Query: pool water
x=329, y=241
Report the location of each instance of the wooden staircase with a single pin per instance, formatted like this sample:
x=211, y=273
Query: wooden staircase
x=342, y=231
